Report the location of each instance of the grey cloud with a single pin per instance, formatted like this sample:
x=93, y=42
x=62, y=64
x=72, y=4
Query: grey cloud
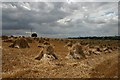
x=22, y=15
x=50, y=18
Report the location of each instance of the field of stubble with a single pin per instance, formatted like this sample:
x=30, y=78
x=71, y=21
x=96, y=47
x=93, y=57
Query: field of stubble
x=20, y=63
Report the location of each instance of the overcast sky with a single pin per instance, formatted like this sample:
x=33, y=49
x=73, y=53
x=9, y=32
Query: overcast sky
x=60, y=19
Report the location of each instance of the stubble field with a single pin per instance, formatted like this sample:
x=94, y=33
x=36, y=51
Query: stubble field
x=21, y=63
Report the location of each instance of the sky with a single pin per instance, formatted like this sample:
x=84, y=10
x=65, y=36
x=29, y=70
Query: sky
x=60, y=19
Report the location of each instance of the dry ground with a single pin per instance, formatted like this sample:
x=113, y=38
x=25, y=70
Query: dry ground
x=20, y=63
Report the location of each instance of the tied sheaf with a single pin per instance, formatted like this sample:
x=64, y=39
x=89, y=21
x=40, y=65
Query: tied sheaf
x=77, y=49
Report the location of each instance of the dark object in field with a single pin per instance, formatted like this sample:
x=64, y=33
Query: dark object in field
x=20, y=43
x=34, y=35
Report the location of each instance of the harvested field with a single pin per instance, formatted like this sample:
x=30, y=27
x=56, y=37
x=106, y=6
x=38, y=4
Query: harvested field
x=21, y=63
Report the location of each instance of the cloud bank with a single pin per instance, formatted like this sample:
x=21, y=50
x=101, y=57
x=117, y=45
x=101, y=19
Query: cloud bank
x=60, y=19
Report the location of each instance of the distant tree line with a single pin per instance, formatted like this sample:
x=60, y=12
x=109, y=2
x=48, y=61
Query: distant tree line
x=96, y=37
